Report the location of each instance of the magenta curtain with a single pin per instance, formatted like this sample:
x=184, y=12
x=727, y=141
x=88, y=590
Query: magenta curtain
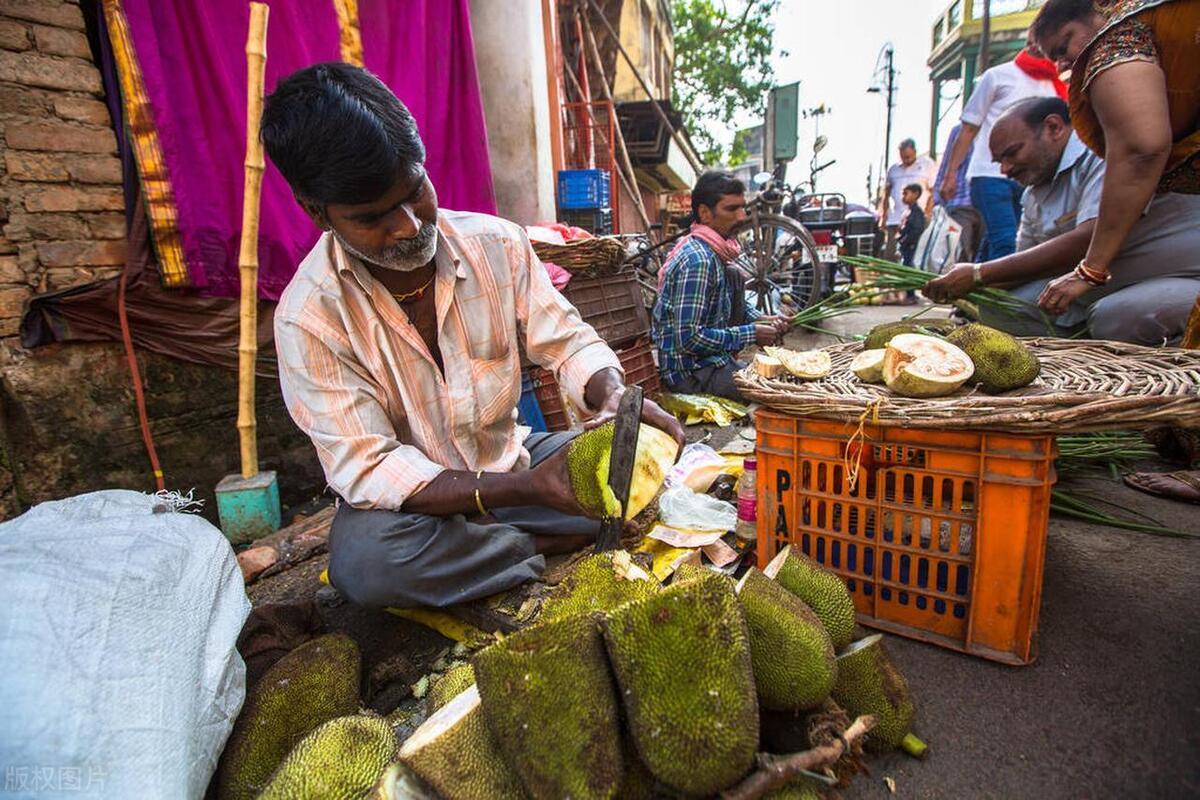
x=193, y=64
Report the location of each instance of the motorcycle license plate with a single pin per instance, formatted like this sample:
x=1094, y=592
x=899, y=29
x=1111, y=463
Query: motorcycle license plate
x=826, y=254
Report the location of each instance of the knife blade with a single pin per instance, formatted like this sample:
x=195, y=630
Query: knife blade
x=620, y=465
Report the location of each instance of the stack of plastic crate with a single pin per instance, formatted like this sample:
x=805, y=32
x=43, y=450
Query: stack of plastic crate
x=584, y=200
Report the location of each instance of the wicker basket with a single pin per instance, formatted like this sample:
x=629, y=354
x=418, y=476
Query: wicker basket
x=601, y=255
x=1085, y=385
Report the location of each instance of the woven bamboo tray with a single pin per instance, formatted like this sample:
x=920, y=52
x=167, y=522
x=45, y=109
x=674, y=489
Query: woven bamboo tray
x=1085, y=385
x=601, y=255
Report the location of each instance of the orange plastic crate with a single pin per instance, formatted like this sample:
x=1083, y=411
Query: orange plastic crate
x=942, y=538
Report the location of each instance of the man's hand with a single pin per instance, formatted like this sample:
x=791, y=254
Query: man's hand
x=956, y=283
x=1058, y=295
x=652, y=414
x=767, y=333
x=949, y=186
x=552, y=485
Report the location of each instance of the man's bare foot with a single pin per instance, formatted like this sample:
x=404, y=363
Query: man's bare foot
x=1183, y=485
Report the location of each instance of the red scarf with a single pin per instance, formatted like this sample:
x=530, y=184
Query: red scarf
x=726, y=249
x=1041, y=69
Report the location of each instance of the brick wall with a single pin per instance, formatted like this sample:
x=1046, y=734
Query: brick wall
x=62, y=220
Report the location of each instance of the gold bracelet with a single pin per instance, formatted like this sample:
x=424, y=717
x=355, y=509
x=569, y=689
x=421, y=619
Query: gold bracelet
x=478, y=502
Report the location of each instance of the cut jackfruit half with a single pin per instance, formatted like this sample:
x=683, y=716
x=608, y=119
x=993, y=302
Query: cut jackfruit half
x=868, y=365
x=924, y=366
x=588, y=467
x=768, y=366
x=808, y=365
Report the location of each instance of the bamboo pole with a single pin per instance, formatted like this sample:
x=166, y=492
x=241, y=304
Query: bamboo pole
x=626, y=164
x=683, y=145
x=256, y=62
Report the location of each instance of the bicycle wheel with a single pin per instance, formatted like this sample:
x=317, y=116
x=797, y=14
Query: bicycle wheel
x=778, y=258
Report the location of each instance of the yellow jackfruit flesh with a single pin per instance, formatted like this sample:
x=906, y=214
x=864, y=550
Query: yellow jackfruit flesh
x=868, y=365
x=768, y=366
x=588, y=462
x=549, y=700
x=316, y=682
x=807, y=365
x=1002, y=362
x=793, y=658
x=869, y=683
x=596, y=584
x=822, y=591
x=454, y=752
x=924, y=366
x=450, y=685
x=341, y=760
x=682, y=661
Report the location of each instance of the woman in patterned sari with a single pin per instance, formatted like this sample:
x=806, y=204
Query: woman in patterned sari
x=1135, y=101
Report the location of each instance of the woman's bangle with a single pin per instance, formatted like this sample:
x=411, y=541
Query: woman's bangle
x=479, y=502
x=1091, y=275
x=977, y=273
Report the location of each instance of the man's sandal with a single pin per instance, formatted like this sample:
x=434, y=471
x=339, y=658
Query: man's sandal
x=1183, y=485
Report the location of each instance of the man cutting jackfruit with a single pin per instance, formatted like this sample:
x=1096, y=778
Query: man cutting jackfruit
x=398, y=356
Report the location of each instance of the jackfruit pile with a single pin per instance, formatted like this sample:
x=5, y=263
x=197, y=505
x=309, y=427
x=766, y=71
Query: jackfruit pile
x=934, y=358
x=645, y=690
x=623, y=691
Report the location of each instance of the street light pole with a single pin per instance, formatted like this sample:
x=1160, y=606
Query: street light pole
x=985, y=38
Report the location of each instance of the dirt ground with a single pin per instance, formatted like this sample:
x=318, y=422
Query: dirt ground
x=1111, y=707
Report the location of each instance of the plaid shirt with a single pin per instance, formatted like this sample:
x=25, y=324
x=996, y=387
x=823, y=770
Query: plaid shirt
x=358, y=379
x=691, y=317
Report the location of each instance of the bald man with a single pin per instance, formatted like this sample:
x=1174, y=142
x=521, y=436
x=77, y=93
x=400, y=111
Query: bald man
x=1155, y=279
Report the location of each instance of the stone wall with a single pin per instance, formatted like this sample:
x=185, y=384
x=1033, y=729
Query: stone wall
x=68, y=422
x=62, y=220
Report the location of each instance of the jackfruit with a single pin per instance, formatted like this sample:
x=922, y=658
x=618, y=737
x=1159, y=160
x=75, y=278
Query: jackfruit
x=807, y=365
x=316, y=682
x=799, y=789
x=682, y=661
x=341, y=760
x=822, y=591
x=869, y=683
x=587, y=467
x=450, y=685
x=549, y=700
x=455, y=754
x=793, y=658
x=767, y=366
x=690, y=571
x=879, y=336
x=1002, y=362
x=924, y=366
x=596, y=584
x=638, y=783
x=868, y=365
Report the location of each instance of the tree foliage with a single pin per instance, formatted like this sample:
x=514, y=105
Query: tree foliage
x=722, y=66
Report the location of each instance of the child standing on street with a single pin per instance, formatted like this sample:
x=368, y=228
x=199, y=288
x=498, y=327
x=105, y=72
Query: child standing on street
x=912, y=225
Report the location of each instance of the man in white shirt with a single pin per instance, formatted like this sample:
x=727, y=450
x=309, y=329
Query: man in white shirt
x=997, y=198
x=910, y=169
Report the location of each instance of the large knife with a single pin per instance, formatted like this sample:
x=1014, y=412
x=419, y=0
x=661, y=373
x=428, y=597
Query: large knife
x=620, y=465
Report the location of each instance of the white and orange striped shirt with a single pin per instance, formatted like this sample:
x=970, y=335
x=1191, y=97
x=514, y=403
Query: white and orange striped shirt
x=358, y=379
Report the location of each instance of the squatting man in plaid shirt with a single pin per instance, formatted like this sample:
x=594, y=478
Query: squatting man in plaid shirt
x=398, y=356
x=701, y=319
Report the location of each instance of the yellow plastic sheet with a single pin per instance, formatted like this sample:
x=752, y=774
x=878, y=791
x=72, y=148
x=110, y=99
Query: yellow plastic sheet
x=696, y=408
